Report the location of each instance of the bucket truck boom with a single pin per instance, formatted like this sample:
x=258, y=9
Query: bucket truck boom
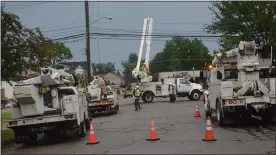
x=138, y=74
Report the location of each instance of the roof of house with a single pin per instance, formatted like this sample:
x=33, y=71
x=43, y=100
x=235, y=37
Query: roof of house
x=75, y=64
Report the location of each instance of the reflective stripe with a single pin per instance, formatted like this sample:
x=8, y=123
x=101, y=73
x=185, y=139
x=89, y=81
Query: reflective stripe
x=91, y=132
x=152, y=128
x=91, y=126
x=152, y=123
x=209, y=122
x=209, y=128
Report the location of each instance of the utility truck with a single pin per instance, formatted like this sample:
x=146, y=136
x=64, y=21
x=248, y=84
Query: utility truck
x=235, y=87
x=152, y=90
x=48, y=104
x=101, y=98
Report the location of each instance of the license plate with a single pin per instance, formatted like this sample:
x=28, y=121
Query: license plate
x=44, y=128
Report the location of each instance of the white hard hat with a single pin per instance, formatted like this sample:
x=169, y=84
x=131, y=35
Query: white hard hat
x=136, y=86
x=170, y=83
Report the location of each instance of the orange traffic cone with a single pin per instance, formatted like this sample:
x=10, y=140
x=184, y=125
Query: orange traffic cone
x=197, y=113
x=152, y=132
x=209, y=131
x=92, y=137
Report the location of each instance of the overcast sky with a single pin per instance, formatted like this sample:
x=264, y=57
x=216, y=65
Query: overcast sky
x=60, y=19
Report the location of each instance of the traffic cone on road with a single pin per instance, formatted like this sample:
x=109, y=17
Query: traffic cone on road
x=92, y=136
x=197, y=113
x=209, y=131
x=152, y=132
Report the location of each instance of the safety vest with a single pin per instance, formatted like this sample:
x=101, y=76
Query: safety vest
x=143, y=68
x=137, y=93
x=43, y=90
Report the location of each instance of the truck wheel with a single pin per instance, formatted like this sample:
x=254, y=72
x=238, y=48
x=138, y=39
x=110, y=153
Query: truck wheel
x=31, y=140
x=148, y=97
x=116, y=109
x=83, y=129
x=267, y=117
x=195, y=95
x=87, y=125
x=208, y=112
x=219, y=114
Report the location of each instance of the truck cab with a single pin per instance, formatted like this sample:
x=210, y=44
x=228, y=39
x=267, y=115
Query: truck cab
x=185, y=88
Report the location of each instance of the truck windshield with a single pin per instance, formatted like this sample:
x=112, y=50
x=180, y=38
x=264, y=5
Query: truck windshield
x=65, y=92
x=230, y=74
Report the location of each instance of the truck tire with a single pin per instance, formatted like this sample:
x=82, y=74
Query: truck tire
x=267, y=117
x=31, y=140
x=148, y=97
x=195, y=95
x=82, y=129
x=219, y=114
x=207, y=110
x=116, y=109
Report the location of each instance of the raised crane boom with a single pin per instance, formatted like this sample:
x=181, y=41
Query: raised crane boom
x=147, y=31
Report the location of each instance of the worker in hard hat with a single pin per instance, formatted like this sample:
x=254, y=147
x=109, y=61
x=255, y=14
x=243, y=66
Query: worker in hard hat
x=144, y=67
x=137, y=94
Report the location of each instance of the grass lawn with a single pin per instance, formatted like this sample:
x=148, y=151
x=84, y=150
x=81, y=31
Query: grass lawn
x=7, y=135
x=5, y=116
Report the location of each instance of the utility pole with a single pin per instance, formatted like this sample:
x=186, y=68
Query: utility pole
x=88, y=59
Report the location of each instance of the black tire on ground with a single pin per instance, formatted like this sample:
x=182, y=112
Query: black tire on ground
x=190, y=97
x=148, y=97
x=219, y=114
x=267, y=117
x=195, y=95
x=31, y=140
x=116, y=109
x=82, y=129
x=87, y=125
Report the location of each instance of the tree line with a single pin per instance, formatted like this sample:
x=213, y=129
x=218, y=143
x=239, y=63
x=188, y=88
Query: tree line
x=247, y=20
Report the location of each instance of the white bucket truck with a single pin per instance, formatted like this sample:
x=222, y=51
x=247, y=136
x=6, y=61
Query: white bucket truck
x=48, y=104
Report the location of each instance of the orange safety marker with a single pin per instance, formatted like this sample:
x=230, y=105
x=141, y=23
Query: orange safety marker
x=92, y=136
x=209, y=131
x=197, y=113
x=152, y=132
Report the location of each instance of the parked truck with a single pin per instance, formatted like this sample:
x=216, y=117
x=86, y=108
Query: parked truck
x=183, y=88
x=152, y=90
x=101, y=98
x=235, y=87
x=48, y=104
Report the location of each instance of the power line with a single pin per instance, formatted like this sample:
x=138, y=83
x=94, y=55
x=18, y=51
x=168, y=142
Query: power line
x=28, y=6
x=20, y=4
x=138, y=35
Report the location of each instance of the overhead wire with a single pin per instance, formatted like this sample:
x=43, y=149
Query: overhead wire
x=26, y=6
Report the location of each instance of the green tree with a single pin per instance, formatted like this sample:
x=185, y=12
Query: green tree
x=180, y=54
x=61, y=53
x=22, y=48
x=249, y=20
x=12, y=52
x=128, y=66
x=104, y=68
x=40, y=50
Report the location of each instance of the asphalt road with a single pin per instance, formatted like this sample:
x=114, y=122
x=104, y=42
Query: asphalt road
x=179, y=130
